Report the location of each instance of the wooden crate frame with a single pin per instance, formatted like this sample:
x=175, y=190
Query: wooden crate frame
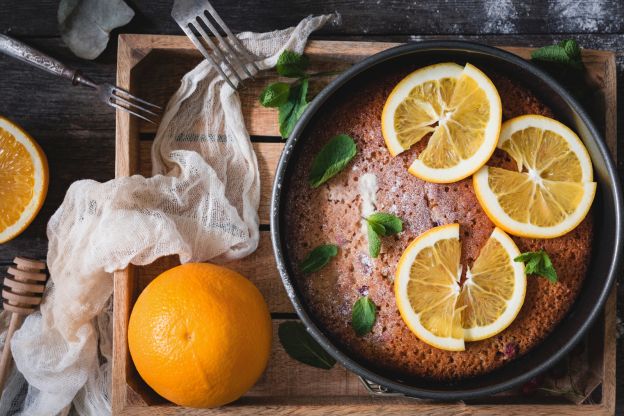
x=281, y=390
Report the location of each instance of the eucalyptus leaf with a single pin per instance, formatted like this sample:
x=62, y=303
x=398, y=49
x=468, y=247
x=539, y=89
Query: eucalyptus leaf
x=300, y=345
x=85, y=25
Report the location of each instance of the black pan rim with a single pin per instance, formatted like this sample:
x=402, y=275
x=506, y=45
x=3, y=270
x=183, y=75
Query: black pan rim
x=315, y=105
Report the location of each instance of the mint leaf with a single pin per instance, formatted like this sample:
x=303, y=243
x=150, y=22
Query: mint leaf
x=538, y=263
x=275, y=94
x=390, y=224
x=318, y=258
x=563, y=61
x=363, y=315
x=290, y=99
x=381, y=224
x=374, y=242
x=291, y=64
x=567, y=53
x=332, y=158
x=293, y=108
x=300, y=345
x=376, y=228
x=548, y=270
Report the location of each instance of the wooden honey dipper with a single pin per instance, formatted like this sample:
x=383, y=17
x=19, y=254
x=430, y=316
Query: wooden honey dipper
x=22, y=293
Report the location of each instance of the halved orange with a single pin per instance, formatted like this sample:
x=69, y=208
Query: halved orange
x=23, y=179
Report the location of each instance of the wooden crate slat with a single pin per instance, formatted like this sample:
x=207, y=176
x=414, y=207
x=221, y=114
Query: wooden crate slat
x=287, y=377
x=362, y=406
x=284, y=378
x=328, y=55
x=288, y=386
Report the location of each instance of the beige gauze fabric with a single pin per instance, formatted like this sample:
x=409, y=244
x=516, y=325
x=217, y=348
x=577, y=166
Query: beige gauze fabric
x=201, y=204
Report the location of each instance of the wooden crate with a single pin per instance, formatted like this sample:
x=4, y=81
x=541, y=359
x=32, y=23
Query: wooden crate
x=151, y=66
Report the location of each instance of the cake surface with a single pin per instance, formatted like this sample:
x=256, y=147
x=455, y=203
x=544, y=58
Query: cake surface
x=333, y=213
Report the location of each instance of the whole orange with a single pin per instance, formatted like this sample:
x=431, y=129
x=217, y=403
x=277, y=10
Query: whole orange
x=200, y=335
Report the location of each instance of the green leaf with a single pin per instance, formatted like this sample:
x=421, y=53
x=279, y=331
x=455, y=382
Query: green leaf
x=275, y=94
x=300, y=345
x=363, y=315
x=532, y=264
x=374, y=242
x=567, y=53
x=293, y=108
x=318, y=258
x=381, y=224
x=332, y=158
x=284, y=117
x=291, y=64
x=377, y=228
x=390, y=224
x=538, y=263
x=548, y=270
x=563, y=61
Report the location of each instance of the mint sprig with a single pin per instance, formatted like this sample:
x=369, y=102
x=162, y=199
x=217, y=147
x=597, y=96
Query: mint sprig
x=363, y=315
x=291, y=100
x=567, y=53
x=538, y=263
x=332, y=158
x=563, y=61
x=300, y=345
x=318, y=258
x=381, y=224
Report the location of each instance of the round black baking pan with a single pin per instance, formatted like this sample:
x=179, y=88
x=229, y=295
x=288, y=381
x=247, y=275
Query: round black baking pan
x=607, y=247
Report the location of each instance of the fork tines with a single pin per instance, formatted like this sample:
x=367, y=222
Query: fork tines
x=197, y=18
x=122, y=99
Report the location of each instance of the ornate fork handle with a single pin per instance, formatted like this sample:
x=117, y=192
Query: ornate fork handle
x=39, y=59
x=107, y=93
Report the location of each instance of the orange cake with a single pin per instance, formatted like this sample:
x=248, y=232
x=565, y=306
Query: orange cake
x=332, y=214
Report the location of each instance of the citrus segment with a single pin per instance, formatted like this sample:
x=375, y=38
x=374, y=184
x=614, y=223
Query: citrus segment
x=552, y=189
x=415, y=104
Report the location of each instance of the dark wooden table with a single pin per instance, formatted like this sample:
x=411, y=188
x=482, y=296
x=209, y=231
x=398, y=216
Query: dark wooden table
x=78, y=133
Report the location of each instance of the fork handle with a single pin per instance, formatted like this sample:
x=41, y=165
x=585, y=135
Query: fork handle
x=25, y=53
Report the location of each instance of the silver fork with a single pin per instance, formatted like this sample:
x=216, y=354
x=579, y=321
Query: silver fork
x=108, y=93
x=194, y=17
